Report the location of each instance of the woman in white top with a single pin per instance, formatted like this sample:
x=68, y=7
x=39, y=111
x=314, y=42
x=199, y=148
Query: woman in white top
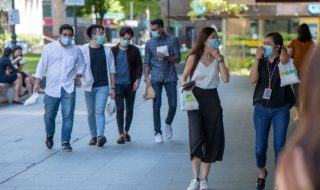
x=206, y=133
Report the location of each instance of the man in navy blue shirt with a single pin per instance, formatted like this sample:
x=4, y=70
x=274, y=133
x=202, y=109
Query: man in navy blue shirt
x=161, y=53
x=128, y=65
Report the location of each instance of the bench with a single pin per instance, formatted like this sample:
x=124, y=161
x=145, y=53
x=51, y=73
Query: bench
x=8, y=89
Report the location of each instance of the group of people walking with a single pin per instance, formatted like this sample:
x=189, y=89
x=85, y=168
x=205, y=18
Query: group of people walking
x=106, y=72
x=116, y=72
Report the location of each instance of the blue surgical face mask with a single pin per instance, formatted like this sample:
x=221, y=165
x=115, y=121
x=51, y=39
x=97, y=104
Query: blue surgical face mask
x=124, y=43
x=155, y=34
x=268, y=51
x=66, y=41
x=100, y=39
x=214, y=43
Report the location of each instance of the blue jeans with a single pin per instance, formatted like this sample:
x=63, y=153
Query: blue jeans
x=96, y=103
x=171, y=90
x=51, y=106
x=263, y=118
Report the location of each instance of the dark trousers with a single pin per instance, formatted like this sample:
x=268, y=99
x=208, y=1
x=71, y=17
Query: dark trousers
x=171, y=90
x=206, y=131
x=124, y=100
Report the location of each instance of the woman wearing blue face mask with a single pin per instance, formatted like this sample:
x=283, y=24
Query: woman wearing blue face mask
x=205, y=65
x=271, y=102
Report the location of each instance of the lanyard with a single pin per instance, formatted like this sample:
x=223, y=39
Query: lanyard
x=270, y=77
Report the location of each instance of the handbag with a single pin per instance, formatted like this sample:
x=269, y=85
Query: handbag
x=188, y=101
x=149, y=92
x=288, y=74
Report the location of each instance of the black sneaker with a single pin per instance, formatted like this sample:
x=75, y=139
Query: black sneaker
x=66, y=147
x=93, y=141
x=49, y=142
x=121, y=140
x=127, y=137
x=101, y=141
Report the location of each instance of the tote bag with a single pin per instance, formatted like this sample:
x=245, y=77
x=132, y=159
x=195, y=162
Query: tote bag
x=188, y=101
x=288, y=74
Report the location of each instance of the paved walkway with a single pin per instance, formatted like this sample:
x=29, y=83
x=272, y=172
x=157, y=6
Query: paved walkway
x=26, y=164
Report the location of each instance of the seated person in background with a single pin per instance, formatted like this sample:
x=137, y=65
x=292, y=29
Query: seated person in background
x=27, y=79
x=9, y=74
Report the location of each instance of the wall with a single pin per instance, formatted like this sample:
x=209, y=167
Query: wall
x=30, y=17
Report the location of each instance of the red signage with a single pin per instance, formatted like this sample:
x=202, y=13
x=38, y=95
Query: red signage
x=107, y=22
x=47, y=21
x=286, y=1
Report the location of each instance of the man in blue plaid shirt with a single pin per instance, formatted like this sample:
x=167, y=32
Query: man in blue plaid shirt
x=161, y=53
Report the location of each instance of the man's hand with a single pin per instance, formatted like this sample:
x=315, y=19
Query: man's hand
x=8, y=71
x=112, y=93
x=77, y=79
x=136, y=85
x=161, y=56
x=37, y=88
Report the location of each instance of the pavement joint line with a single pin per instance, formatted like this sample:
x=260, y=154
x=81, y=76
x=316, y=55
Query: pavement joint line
x=37, y=163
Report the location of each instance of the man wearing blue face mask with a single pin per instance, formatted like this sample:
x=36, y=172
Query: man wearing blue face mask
x=98, y=82
x=63, y=64
x=161, y=53
x=128, y=73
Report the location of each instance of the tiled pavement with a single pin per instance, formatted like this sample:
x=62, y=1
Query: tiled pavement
x=26, y=164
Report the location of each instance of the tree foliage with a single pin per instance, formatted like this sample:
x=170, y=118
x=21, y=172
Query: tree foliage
x=140, y=7
x=100, y=7
x=3, y=26
x=201, y=8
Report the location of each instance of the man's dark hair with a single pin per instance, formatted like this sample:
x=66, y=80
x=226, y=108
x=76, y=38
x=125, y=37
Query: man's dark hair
x=17, y=48
x=7, y=51
x=158, y=22
x=66, y=27
x=93, y=28
x=126, y=30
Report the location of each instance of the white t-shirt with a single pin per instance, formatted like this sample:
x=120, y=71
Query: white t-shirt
x=207, y=77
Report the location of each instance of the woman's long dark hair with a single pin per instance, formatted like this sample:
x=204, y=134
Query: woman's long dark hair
x=304, y=33
x=198, y=48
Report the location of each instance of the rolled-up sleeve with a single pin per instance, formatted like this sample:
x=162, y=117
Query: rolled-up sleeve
x=42, y=64
x=81, y=64
x=110, y=60
x=176, y=49
x=147, y=57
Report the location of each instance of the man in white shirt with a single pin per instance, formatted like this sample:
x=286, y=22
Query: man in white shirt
x=63, y=64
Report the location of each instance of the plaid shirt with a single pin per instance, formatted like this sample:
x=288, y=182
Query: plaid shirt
x=162, y=70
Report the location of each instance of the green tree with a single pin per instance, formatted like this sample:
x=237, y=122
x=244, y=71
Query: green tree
x=200, y=8
x=140, y=7
x=101, y=7
x=3, y=26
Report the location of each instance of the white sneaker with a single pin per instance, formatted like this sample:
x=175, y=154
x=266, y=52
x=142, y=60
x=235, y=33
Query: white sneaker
x=168, y=131
x=158, y=138
x=204, y=184
x=194, y=185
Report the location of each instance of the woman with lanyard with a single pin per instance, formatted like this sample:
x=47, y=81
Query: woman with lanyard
x=271, y=102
